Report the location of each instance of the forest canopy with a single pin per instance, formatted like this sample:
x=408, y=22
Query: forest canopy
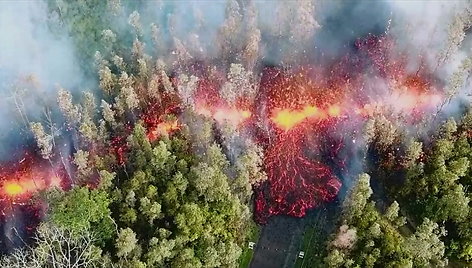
x=169, y=134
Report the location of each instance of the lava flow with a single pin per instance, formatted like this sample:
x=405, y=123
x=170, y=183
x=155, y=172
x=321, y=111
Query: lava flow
x=163, y=128
x=13, y=188
x=291, y=116
x=312, y=104
x=299, y=109
x=21, y=181
x=296, y=183
x=286, y=119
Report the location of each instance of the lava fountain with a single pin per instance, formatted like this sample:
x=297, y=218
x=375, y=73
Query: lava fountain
x=290, y=116
x=22, y=180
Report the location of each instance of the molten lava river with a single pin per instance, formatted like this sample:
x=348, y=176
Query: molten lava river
x=296, y=112
x=302, y=118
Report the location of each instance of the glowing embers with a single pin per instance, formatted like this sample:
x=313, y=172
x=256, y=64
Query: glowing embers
x=286, y=119
x=160, y=121
x=163, y=128
x=334, y=111
x=295, y=183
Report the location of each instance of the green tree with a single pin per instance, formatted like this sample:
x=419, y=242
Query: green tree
x=357, y=199
x=180, y=207
x=80, y=210
x=125, y=243
x=426, y=246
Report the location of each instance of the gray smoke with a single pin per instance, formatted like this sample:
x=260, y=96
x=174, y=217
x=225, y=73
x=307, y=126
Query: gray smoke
x=33, y=61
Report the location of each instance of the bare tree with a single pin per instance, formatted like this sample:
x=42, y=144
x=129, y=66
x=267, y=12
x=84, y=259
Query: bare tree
x=239, y=84
x=70, y=111
x=43, y=139
x=134, y=20
x=456, y=34
x=186, y=88
x=56, y=248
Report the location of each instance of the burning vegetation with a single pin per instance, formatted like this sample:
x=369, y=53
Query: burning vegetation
x=193, y=144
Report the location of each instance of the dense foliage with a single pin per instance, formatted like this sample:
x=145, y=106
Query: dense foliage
x=368, y=238
x=173, y=200
x=432, y=187
x=174, y=210
x=143, y=197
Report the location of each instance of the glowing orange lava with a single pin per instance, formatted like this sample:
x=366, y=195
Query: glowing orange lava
x=26, y=185
x=13, y=188
x=334, y=111
x=27, y=179
x=163, y=128
x=167, y=127
x=287, y=119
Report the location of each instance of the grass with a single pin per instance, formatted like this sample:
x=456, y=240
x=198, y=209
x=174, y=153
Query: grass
x=313, y=244
x=247, y=254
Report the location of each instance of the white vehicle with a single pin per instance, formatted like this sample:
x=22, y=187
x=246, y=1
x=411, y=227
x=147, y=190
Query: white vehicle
x=301, y=254
x=251, y=245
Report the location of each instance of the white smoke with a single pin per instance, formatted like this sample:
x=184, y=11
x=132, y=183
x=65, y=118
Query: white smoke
x=33, y=60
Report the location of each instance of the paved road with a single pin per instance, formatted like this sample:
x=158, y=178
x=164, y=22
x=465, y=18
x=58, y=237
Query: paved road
x=282, y=238
x=279, y=243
